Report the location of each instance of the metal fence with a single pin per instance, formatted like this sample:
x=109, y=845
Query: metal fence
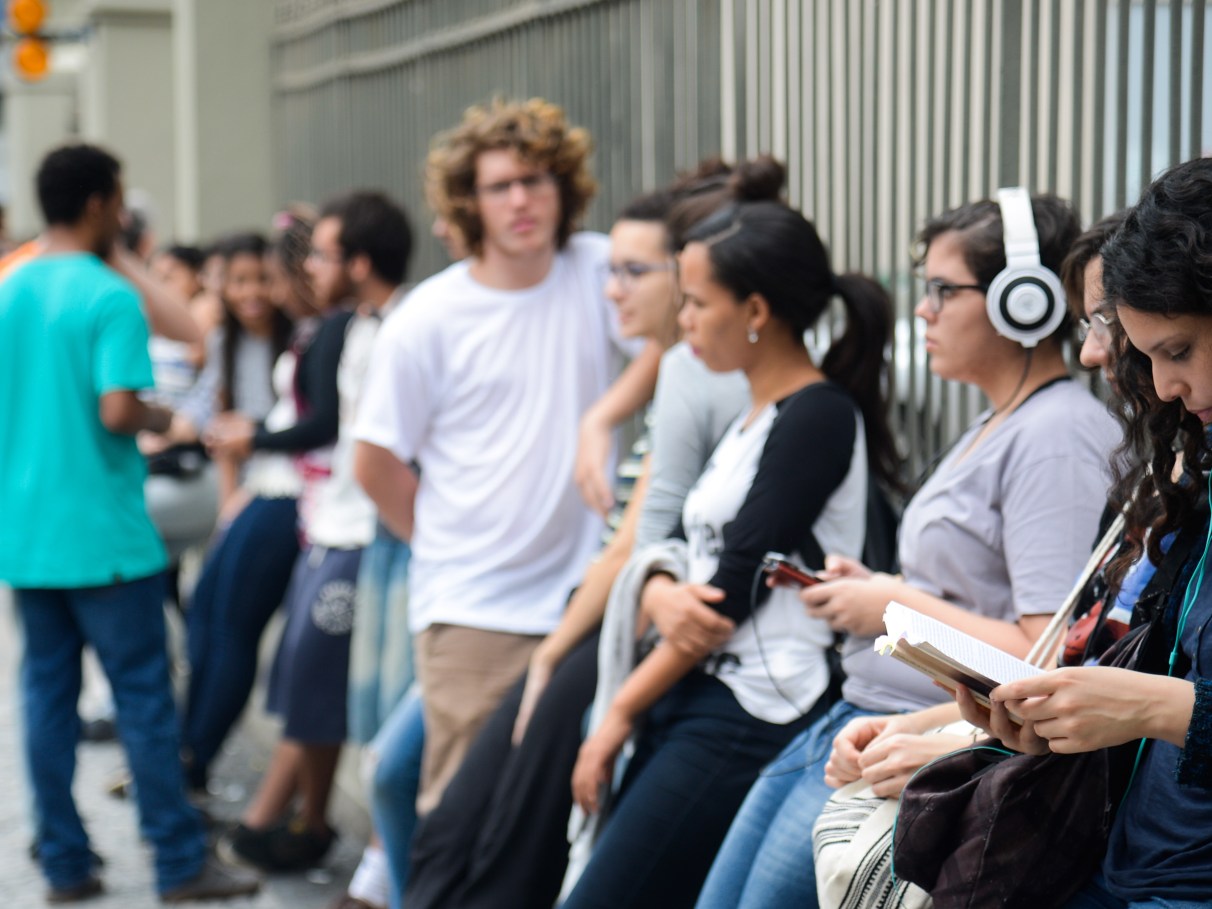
x=886, y=111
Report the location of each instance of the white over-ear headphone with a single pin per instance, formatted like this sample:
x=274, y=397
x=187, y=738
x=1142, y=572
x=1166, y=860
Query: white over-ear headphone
x=1026, y=301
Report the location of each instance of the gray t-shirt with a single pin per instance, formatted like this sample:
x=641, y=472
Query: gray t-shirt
x=692, y=409
x=1002, y=531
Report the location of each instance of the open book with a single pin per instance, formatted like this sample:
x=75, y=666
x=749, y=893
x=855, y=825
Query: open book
x=948, y=656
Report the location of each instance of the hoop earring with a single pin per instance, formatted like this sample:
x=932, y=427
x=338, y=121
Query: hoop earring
x=753, y=336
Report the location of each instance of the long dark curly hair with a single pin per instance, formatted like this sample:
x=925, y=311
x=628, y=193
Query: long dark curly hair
x=1160, y=262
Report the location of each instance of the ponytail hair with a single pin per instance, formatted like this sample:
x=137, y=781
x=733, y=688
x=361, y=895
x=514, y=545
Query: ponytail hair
x=856, y=362
x=769, y=249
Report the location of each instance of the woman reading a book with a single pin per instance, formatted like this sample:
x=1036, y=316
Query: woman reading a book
x=989, y=545
x=1157, y=270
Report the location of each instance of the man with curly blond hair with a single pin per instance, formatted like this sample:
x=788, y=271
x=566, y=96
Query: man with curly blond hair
x=480, y=379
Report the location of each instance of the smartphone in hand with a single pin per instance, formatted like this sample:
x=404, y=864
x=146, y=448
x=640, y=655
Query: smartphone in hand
x=784, y=573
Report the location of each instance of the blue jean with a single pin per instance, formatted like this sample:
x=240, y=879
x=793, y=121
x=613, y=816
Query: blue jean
x=124, y=623
x=393, y=800
x=380, y=657
x=1096, y=896
x=698, y=754
x=243, y=580
x=766, y=859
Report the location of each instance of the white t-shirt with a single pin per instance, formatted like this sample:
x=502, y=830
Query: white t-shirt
x=484, y=389
x=774, y=663
x=343, y=515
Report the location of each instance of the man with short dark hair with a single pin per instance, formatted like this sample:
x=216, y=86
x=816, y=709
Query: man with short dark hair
x=76, y=544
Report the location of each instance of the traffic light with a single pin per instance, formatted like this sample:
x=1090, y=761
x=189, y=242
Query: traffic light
x=31, y=53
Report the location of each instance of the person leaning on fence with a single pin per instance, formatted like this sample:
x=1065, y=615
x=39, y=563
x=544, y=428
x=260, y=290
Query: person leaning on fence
x=1156, y=269
x=76, y=544
x=754, y=278
x=990, y=543
x=481, y=378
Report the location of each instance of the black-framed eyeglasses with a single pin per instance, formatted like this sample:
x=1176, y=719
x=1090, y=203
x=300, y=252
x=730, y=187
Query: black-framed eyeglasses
x=532, y=183
x=1100, y=324
x=939, y=292
x=627, y=273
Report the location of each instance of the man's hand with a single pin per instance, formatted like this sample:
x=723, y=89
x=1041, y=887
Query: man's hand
x=682, y=616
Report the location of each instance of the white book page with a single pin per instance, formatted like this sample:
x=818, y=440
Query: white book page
x=984, y=659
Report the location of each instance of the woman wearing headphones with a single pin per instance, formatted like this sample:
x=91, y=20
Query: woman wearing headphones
x=1156, y=269
x=990, y=544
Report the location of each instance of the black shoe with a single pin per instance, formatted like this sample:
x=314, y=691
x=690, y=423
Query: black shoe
x=243, y=845
x=216, y=881
x=288, y=846
x=85, y=890
x=297, y=848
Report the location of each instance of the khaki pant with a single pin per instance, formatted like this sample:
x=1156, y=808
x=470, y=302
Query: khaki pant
x=464, y=675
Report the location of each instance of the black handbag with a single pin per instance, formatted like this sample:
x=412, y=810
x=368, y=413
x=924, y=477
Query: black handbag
x=988, y=827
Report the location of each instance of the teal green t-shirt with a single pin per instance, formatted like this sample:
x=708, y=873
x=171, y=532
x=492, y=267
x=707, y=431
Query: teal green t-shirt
x=71, y=492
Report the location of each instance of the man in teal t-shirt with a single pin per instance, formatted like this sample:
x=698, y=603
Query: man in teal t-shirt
x=76, y=544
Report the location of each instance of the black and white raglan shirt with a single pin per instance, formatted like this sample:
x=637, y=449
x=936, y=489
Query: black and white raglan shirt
x=793, y=481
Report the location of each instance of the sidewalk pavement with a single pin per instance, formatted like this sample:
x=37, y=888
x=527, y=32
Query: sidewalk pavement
x=113, y=823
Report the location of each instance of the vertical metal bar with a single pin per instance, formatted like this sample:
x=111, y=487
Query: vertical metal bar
x=1199, y=66
x=1052, y=101
x=1149, y=10
x=1009, y=96
x=1176, y=81
x=1123, y=12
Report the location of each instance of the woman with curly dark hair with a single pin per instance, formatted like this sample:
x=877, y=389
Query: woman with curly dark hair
x=1158, y=271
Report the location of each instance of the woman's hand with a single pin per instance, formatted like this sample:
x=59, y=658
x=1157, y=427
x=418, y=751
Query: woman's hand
x=230, y=435
x=594, y=441
x=840, y=566
x=843, y=764
x=997, y=723
x=682, y=616
x=595, y=762
x=1085, y=708
x=538, y=675
x=855, y=606
x=889, y=761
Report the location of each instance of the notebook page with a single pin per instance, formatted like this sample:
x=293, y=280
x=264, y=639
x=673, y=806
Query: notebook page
x=985, y=659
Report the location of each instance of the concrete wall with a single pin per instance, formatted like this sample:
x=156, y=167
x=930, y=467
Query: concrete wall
x=126, y=97
x=222, y=53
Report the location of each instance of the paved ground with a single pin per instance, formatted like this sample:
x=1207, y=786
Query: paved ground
x=113, y=825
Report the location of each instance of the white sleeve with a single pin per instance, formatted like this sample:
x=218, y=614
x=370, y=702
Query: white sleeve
x=400, y=392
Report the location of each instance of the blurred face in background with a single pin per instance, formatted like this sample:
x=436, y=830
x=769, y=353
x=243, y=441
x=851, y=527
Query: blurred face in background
x=176, y=275
x=246, y=292
x=326, y=265
x=290, y=293
x=643, y=281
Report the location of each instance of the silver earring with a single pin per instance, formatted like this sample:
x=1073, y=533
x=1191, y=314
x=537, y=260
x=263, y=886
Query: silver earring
x=753, y=336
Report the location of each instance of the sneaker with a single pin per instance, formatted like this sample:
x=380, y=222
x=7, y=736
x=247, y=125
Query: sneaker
x=86, y=889
x=216, y=881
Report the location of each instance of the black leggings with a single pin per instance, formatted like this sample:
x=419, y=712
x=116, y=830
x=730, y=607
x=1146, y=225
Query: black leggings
x=499, y=836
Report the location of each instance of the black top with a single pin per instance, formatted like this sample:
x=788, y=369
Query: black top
x=315, y=389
